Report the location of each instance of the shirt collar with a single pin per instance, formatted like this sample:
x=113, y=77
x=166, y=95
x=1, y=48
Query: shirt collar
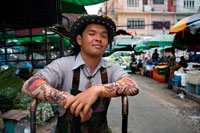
x=79, y=61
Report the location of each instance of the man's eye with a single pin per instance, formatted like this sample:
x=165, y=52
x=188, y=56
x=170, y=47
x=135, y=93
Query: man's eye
x=104, y=36
x=92, y=34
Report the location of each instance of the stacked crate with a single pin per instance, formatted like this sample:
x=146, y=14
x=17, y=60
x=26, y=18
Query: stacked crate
x=155, y=73
x=176, y=81
x=161, y=74
x=193, y=82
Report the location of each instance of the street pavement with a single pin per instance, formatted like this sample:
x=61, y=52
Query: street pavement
x=156, y=109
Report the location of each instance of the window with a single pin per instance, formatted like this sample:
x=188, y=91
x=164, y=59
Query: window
x=133, y=2
x=158, y=1
x=188, y=3
x=159, y=24
x=145, y=2
x=136, y=23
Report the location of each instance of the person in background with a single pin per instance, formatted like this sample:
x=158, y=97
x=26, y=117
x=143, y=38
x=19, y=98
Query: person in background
x=133, y=57
x=181, y=63
x=82, y=84
x=155, y=55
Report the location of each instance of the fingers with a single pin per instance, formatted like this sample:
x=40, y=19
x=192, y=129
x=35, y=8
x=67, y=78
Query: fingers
x=85, y=117
x=86, y=109
x=69, y=101
x=74, y=106
x=78, y=109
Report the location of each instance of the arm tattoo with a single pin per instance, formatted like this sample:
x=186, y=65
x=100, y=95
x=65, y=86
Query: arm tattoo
x=37, y=87
x=56, y=97
x=124, y=86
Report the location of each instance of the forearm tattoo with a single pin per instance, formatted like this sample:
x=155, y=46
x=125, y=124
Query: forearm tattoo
x=124, y=86
x=37, y=87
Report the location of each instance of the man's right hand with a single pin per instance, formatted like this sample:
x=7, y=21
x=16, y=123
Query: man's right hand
x=84, y=116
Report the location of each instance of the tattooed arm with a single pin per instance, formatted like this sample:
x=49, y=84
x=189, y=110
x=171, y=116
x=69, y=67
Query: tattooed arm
x=38, y=88
x=84, y=100
x=124, y=86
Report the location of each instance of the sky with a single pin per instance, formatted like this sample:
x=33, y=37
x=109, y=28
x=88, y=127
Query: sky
x=93, y=9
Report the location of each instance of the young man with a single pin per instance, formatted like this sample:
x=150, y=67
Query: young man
x=82, y=84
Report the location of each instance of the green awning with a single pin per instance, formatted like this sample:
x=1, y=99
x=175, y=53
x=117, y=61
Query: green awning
x=141, y=46
x=127, y=41
x=161, y=40
x=77, y=6
x=84, y=2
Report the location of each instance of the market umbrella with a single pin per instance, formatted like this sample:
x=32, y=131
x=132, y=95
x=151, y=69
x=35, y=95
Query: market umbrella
x=142, y=45
x=77, y=6
x=185, y=22
x=188, y=38
x=161, y=40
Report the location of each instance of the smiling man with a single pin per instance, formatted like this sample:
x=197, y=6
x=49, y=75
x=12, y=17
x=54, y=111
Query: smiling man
x=82, y=84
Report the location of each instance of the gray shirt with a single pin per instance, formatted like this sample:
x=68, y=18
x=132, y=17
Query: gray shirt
x=59, y=73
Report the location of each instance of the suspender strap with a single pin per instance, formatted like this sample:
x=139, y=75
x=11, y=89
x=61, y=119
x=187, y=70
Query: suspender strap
x=76, y=77
x=104, y=76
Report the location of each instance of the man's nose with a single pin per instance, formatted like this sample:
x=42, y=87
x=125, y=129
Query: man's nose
x=98, y=37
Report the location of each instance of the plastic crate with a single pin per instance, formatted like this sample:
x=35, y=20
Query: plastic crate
x=155, y=75
x=193, y=88
x=162, y=71
x=177, y=77
x=176, y=83
x=193, y=77
x=161, y=78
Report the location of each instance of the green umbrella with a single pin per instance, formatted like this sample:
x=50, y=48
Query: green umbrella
x=84, y=2
x=77, y=6
x=141, y=46
x=55, y=39
x=161, y=40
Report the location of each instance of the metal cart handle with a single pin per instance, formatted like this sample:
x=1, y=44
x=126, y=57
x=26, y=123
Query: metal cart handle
x=124, y=114
x=32, y=115
x=33, y=106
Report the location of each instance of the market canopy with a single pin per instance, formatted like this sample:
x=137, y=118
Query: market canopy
x=188, y=38
x=126, y=41
x=77, y=6
x=51, y=38
x=141, y=46
x=161, y=40
x=22, y=14
x=185, y=22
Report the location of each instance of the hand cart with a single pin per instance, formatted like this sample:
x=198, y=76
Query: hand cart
x=33, y=107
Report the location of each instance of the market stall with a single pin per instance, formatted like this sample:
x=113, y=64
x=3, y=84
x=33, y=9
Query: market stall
x=187, y=33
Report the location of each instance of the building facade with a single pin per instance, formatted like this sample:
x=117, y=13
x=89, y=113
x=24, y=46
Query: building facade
x=148, y=17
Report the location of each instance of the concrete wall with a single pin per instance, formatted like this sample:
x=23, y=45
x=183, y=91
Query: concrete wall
x=123, y=19
x=181, y=9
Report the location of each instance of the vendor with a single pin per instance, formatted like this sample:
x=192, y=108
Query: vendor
x=155, y=55
x=182, y=63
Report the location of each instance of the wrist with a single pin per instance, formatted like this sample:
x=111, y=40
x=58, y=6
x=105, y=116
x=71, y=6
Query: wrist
x=67, y=98
x=98, y=90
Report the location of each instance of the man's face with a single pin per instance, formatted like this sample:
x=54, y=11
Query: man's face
x=94, y=40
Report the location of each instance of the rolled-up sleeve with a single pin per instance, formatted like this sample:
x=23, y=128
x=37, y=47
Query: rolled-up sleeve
x=116, y=72
x=53, y=73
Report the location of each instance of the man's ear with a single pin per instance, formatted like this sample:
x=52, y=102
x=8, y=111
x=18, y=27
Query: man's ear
x=78, y=39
